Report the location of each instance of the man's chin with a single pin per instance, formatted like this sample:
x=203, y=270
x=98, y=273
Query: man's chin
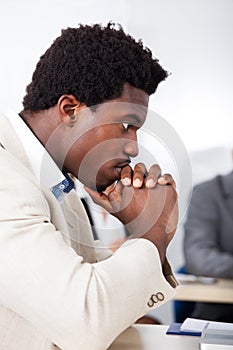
x=97, y=187
x=100, y=188
x=106, y=188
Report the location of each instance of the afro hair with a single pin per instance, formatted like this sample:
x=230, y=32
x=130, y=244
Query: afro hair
x=92, y=63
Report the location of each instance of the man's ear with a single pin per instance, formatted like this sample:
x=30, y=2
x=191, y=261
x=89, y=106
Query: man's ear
x=69, y=107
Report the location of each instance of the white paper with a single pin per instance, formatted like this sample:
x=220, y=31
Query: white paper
x=186, y=278
x=220, y=325
x=196, y=325
x=216, y=339
x=193, y=325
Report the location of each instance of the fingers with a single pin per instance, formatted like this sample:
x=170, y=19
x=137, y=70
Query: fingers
x=99, y=198
x=133, y=177
x=116, y=244
x=126, y=175
x=138, y=175
x=120, y=197
x=167, y=179
x=110, y=199
x=115, y=194
x=153, y=176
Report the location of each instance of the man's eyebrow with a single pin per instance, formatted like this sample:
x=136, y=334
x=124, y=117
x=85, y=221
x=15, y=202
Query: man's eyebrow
x=135, y=118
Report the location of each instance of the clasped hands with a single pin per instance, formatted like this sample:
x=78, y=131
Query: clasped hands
x=145, y=202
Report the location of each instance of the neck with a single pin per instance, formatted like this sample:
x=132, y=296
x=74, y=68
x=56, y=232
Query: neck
x=42, y=124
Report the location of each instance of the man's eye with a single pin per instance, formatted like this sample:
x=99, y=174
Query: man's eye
x=126, y=125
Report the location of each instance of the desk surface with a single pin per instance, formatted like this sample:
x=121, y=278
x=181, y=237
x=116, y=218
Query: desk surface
x=219, y=292
x=152, y=337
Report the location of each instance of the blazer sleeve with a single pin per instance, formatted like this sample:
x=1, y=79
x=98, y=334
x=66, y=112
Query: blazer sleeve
x=76, y=305
x=203, y=253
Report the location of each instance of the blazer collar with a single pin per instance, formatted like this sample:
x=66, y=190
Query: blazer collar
x=21, y=142
x=228, y=184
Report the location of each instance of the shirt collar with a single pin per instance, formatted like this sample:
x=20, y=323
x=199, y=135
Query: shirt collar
x=44, y=167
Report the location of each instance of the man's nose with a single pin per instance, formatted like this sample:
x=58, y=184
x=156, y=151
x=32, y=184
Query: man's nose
x=131, y=147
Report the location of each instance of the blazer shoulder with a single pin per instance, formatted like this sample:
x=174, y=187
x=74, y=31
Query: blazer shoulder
x=206, y=188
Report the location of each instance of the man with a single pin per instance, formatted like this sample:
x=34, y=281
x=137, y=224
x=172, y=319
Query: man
x=208, y=243
x=87, y=99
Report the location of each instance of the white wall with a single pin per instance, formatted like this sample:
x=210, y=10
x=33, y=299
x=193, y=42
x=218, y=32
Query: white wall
x=192, y=38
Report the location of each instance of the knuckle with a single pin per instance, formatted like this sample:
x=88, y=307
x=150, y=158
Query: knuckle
x=140, y=167
x=127, y=169
x=168, y=176
x=156, y=168
x=172, y=192
x=140, y=164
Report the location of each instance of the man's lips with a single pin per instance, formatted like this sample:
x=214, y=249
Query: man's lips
x=118, y=168
x=122, y=163
x=115, y=168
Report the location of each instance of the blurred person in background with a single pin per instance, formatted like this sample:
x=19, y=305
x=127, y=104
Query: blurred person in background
x=208, y=241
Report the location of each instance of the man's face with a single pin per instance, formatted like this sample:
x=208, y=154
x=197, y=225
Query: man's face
x=102, y=142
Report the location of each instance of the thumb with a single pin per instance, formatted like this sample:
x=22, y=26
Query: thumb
x=116, y=192
x=99, y=198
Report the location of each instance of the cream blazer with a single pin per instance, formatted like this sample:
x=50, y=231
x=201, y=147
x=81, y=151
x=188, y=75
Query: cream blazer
x=56, y=285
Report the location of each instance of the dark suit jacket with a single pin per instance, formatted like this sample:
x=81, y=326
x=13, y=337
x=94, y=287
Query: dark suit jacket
x=208, y=242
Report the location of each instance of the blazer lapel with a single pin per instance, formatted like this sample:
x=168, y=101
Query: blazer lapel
x=10, y=141
x=70, y=217
x=80, y=232
x=228, y=191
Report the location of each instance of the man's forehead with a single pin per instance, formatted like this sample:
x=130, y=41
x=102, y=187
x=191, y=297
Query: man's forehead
x=117, y=110
x=132, y=94
x=133, y=101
